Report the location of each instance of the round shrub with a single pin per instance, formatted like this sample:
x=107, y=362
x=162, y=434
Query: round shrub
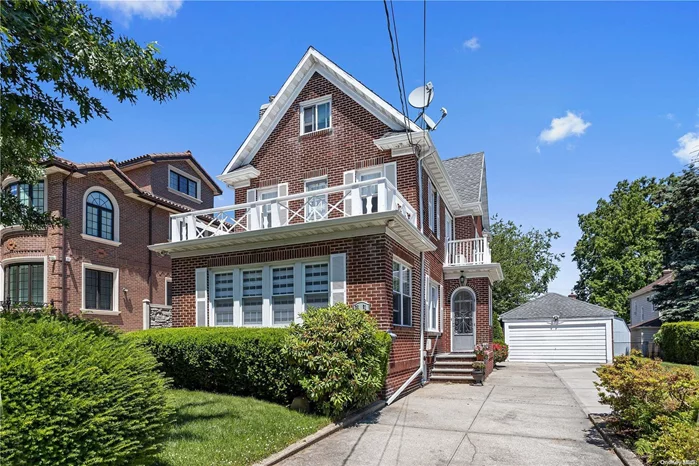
x=501, y=351
x=340, y=358
x=76, y=392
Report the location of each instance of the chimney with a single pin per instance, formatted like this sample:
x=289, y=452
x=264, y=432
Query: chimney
x=667, y=272
x=264, y=107
x=573, y=296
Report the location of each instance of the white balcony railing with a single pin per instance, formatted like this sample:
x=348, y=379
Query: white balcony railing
x=361, y=198
x=474, y=251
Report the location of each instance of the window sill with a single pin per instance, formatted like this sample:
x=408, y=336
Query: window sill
x=98, y=312
x=186, y=196
x=318, y=132
x=433, y=333
x=97, y=239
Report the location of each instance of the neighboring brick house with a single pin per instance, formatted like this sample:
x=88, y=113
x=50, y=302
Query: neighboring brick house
x=645, y=319
x=340, y=198
x=115, y=211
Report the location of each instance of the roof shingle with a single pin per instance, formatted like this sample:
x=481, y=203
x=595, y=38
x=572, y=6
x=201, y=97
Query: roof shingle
x=554, y=304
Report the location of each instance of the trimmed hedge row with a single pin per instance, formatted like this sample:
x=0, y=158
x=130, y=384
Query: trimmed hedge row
x=75, y=392
x=238, y=361
x=680, y=342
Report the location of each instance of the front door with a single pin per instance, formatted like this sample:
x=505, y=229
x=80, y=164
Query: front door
x=463, y=322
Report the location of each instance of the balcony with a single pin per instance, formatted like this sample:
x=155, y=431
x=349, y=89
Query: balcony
x=371, y=205
x=470, y=258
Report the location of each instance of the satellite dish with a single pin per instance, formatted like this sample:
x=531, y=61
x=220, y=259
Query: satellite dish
x=429, y=122
x=422, y=96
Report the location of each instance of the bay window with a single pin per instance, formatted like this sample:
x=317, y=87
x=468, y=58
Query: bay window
x=24, y=283
x=252, y=297
x=283, y=295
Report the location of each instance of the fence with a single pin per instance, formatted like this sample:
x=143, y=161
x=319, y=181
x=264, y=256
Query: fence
x=156, y=315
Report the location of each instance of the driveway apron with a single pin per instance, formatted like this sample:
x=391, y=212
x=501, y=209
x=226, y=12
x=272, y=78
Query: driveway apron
x=525, y=414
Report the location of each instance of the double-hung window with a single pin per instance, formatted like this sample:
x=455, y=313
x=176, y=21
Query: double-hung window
x=433, y=311
x=315, y=117
x=183, y=184
x=99, y=289
x=402, y=302
x=252, y=297
x=24, y=283
x=28, y=194
x=283, y=295
x=316, y=285
x=223, y=298
x=316, y=206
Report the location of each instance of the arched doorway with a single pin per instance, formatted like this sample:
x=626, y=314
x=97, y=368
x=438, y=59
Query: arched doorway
x=463, y=322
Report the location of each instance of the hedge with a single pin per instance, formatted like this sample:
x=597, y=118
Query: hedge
x=680, y=342
x=76, y=392
x=237, y=361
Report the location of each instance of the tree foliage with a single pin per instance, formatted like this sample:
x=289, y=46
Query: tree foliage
x=679, y=300
x=527, y=262
x=620, y=248
x=54, y=56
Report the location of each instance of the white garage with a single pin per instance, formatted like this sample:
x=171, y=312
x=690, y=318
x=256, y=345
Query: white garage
x=556, y=328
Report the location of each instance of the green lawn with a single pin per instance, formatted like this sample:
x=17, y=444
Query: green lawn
x=212, y=429
x=672, y=364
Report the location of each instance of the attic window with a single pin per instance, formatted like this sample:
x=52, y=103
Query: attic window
x=315, y=115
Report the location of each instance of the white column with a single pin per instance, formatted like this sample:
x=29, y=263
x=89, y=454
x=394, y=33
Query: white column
x=146, y=314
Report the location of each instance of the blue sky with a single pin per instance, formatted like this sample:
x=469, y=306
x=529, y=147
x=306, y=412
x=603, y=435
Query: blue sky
x=621, y=79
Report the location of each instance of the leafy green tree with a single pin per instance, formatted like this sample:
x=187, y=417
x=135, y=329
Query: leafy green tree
x=54, y=56
x=679, y=300
x=526, y=260
x=620, y=248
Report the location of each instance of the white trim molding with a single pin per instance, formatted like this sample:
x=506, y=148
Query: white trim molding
x=115, y=220
x=115, y=290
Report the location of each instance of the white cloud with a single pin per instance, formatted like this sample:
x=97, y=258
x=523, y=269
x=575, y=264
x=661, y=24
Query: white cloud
x=538, y=149
x=688, y=147
x=564, y=127
x=669, y=116
x=472, y=43
x=149, y=9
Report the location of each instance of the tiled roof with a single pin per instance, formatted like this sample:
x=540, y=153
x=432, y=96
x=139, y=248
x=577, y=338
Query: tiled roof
x=667, y=277
x=466, y=174
x=554, y=304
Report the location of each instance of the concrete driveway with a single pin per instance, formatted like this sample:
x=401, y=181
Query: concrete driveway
x=526, y=414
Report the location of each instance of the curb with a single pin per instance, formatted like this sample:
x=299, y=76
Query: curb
x=624, y=453
x=321, y=434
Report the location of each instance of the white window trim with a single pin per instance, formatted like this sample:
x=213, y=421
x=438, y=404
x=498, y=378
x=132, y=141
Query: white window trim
x=305, y=189
x=196, y=199
x=115, y=290
x=403, y=263
x=115, y=219
x=15, y=260
x=315, y=102
x=435, y=327
x=167, y=280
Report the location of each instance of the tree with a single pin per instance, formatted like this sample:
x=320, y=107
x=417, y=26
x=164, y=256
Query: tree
x=54, y=55
x=526, y=260
x=679, y=300
x=619, y=251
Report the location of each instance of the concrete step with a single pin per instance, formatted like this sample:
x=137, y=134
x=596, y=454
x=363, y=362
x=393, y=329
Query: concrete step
x=448, y=363
x=450, y=370
x=457, y=356
x=452, y=378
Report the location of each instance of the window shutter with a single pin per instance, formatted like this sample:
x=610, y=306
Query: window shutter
x=440, y=325
x=426, y=298
x=200, y=276
x=338, y=278
x=348, y=179
x=253, y=213
x=438, y=201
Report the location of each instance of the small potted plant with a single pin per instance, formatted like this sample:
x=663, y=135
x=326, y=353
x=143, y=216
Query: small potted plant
x=480, y=351
x=479, y=371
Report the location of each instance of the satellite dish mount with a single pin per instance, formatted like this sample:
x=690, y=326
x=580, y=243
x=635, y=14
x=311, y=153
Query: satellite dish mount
x=421, y=98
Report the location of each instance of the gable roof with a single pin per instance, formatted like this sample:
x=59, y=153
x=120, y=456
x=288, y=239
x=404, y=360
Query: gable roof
x=667, y=277
x=552, y=304
x=315, y=62
x=467, y=175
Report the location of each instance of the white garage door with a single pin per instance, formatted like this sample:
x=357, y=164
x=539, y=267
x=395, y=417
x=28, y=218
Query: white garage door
x=564, y=342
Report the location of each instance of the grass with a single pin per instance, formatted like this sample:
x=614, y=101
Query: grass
x=212, y=429
x=672, y=364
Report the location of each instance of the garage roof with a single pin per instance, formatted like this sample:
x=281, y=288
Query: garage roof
x=551, y=304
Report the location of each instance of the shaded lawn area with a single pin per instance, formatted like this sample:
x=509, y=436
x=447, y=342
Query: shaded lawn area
x=212, y=429
x=673, y=365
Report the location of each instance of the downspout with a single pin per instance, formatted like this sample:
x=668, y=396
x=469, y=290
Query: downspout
x=421, y=369
x=150, y=253
x=64, y=239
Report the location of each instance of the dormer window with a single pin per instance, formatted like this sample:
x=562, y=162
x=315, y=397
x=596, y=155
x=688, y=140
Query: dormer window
x=315, y=115
x=183, y=184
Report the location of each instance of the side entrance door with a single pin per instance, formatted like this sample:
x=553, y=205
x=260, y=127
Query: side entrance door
x=464, y=321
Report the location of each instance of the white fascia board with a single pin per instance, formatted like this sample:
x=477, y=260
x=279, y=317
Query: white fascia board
x=241, y=177
x=311, y=62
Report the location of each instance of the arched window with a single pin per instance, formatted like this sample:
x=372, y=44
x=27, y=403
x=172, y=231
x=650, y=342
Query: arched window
x=99, y=216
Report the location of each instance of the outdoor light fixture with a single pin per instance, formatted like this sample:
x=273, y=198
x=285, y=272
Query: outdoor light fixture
x=462, y=280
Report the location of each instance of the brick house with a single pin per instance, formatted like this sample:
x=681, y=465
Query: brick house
x=340, y=198
x=115, y=211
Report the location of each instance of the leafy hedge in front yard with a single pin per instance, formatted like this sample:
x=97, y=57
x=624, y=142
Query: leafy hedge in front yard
x=680, y=342
x=75, y=392
x=655, y=407
x=238, y=361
